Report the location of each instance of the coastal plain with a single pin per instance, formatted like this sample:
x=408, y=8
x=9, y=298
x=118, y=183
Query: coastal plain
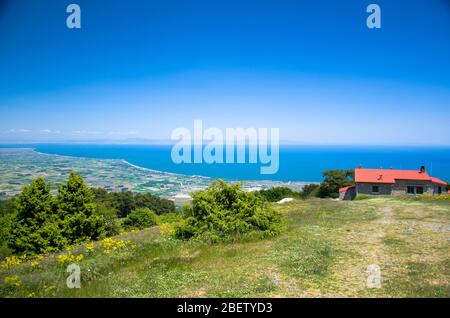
x=19, y=166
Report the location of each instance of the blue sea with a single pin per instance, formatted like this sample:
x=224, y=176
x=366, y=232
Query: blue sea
x=297, y=163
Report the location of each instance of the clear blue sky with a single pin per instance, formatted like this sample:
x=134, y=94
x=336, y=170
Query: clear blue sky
x=139, y=69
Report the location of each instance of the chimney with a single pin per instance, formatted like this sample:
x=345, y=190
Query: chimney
x=422, y=169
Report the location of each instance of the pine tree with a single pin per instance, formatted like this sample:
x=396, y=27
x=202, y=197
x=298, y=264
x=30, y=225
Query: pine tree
x=34, y=229
x=76, y=211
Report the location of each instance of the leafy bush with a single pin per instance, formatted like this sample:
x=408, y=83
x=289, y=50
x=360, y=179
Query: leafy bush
x=7, y=207
x=5, y=226
x=110, y=219
x=170, y=217
x=156, y=204
x=223, y=212
x=140, y=219
x=125, y=202
x=278, y=193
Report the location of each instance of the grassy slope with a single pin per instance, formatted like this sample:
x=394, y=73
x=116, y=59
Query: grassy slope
x=324, y=251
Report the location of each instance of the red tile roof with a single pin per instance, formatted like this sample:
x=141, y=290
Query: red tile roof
x=391, y=175
x=436, y=180
x=345, y=188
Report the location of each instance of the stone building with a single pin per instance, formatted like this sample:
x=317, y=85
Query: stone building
x=397, y=182
x=347, y=193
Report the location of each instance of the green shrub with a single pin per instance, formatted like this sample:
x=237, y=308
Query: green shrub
x=5, y=228
x=170, y=217
x=5, y=251
x=125, y=202
x=7, y=207
x=110, y=219
x=223, y=212
x=140, y=219
x=278, y=193
x=158, y=205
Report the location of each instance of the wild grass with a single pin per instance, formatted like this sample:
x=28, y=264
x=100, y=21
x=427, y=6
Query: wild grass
x=323, y=251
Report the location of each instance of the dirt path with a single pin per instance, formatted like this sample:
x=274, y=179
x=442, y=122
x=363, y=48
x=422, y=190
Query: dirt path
x=367, y=241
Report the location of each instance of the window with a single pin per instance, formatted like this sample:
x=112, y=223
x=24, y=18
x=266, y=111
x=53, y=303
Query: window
x=419, y=190
x=375, y=189
x=440, y=190
x=410, y=190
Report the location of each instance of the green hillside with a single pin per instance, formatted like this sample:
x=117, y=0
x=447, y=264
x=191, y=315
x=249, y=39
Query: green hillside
x=324, y=251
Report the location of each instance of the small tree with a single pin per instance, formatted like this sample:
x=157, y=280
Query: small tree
x=154, y=203
x=333, y=181
x=33, y=228
x=124, y=202
x=76, y=211
x=309, y=190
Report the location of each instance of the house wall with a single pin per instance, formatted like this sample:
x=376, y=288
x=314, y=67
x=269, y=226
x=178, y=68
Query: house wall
x=400, y=187
x=436, y=188
x=350, y=194
x=366, y=188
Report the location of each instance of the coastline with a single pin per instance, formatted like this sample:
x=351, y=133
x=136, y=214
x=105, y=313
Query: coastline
x=119, y=160
x=19, y=166
x=173, y=173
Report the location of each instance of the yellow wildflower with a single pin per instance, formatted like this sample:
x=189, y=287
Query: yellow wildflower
x=69, y=258
x=90, y=247
x=166, y=229
x=12, y=281
x=62, y=258
x=11, y=261
x=110, y=245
